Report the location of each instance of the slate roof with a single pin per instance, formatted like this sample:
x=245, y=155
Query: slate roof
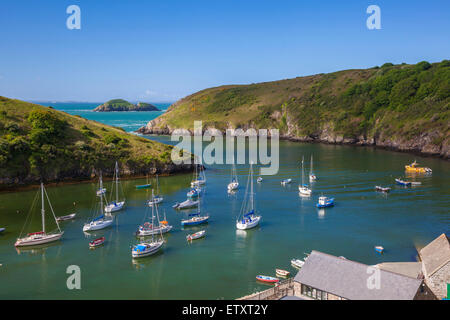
x=435, y=255
x=348, y=279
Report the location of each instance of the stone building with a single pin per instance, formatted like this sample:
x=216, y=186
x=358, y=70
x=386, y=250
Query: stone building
x=435, y=259
x=327, y=277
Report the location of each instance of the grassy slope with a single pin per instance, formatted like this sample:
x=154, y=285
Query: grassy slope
x=81, y=146
x=392, y=102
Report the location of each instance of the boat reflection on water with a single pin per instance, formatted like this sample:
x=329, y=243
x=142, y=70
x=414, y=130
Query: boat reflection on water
x=36, y=250
x=321, y=213
x=241, y=233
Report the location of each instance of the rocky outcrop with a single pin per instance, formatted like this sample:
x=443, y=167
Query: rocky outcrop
x=122, y=105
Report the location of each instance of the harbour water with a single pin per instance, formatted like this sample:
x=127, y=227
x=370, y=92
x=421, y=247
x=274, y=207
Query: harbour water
x=224, y=264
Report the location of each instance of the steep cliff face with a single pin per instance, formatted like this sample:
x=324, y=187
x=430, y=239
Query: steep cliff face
x=401, y=107
x=40, y=143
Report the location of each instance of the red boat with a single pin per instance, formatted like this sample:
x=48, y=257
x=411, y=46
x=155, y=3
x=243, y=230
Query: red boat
x=96, y=242
x=267, y=279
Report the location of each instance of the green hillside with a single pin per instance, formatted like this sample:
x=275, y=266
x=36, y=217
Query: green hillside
x=405, y=107
x=37, y=141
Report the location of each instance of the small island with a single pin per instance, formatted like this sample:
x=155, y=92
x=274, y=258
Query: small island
x=123, y=105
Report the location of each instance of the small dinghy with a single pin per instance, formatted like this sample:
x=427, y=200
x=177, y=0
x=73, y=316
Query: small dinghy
x=185, y=204
x=64, y=218
x=297, y=263
x=196, y=235
x=286, y=181
x=325, y=202
x=379, y=249
x=259, y=179
x=282, y=273
x=267, y=279
x=2, y=229
x=403, y=183
x=97, y=242
x=382, y=189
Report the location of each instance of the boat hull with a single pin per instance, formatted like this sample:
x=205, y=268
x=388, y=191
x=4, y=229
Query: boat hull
x=267, y=279
x=195, y=236
x=65, y=218
x=113, y=207
x=144, y=186
x=154, y=248
x=155, y=201
x=248, y=224
x=38, y=239
x=149, y=232
x=297, y=263
x=97, y=242
x=191, y=222
x=186, y=205
x=282, y=273
x=97, y=225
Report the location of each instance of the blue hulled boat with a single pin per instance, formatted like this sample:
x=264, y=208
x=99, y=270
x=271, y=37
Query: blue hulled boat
x=325, y=202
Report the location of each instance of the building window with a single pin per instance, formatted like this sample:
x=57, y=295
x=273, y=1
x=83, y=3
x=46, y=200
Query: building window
x=314, y=293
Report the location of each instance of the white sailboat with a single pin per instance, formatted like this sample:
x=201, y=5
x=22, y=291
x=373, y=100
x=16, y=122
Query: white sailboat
x=303, y=188
x=312, y=176
x=148, y=228
x=41, y=237
x=102, y=221
x=156, y=199
x=145, y=249
x=234, y=184
x=115, y=205
x=199, y=177
x=248, y=218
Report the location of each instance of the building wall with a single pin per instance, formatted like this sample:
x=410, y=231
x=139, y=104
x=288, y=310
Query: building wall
x=438, y=281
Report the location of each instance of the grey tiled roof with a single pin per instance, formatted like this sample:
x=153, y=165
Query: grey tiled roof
x=436, y=254
x=348, y=279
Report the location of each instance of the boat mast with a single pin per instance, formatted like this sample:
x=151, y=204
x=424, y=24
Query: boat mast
x=251, y=185
x=153, y=214
x=42, y=207
x=101, y=194
x=303, y=174
x=311, y=168
x=117, y=183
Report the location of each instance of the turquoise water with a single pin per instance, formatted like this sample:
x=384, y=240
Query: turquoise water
x=130, y=121
x=225, y=263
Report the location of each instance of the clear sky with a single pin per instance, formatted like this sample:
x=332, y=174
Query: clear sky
x=163, y=50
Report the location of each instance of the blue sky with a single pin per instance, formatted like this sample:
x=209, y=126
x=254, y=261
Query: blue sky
x=163, y=50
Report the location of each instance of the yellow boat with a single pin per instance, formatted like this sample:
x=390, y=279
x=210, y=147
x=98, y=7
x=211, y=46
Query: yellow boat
x=414, y=168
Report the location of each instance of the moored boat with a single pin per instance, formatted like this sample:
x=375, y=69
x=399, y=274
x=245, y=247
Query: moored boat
x=312, y=176
x=286, y=181
x=2, y=229
x=189, y=203
x=325, y=202
x=156, y=199
x=267, y=279
x=115, y=205
x=144, y=186
x=234, y=183
x=146, y=249
x=303, y=189
x=64, y=218
x=97, y=242
x=41, y=237
x=414, y=168
x=196, y=235
x=103, y=220
x=382, y=189
x=379, y=249
x=259, y=179
x=148, y=228
x=101, y=191
x=297, y=263
x=282, y=273
x=402, y=182
x=248, y=217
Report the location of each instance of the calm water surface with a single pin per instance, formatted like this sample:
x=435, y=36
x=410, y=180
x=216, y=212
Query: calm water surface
x=225, y=263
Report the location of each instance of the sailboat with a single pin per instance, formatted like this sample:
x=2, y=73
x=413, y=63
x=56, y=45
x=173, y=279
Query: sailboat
x=234, y=184
x=199, y=177
x=248, y=218
x=41, y=237
x=312, y=176
x=101, y=221
x=145, y=249
x=195, y=218
x=148, y=229
x=115, y=205
x=156, y=198
x=303, y=188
